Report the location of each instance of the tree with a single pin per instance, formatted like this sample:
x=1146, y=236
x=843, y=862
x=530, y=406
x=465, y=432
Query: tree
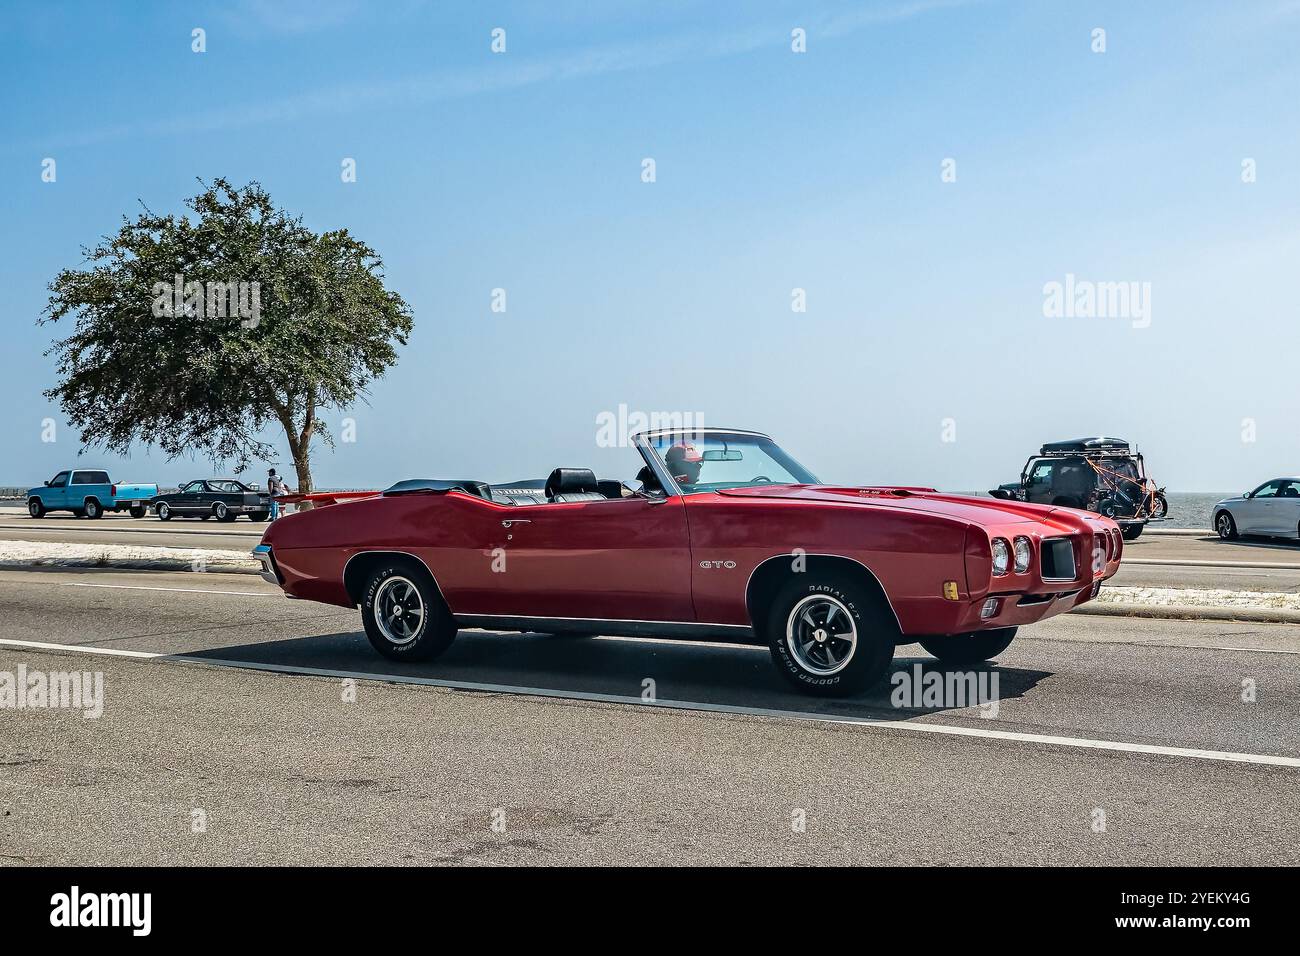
x=196, y=333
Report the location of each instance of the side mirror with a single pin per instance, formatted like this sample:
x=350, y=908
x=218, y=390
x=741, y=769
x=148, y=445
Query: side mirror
x=47, y=482
x=1247, y=494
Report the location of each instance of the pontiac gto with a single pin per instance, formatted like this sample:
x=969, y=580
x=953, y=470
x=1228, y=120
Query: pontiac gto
x=725, y=535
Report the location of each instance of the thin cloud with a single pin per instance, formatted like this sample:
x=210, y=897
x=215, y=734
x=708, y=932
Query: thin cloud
x=505, y=74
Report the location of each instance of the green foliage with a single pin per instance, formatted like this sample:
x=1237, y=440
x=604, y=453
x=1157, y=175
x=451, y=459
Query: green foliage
x=327, y=328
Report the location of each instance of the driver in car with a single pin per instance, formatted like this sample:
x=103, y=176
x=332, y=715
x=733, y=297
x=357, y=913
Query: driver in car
x=684, y=462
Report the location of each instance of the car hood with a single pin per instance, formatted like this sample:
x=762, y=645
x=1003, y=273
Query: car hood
x=978, y=511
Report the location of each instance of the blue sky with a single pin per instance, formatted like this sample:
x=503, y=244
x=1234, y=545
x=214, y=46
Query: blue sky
x=775, y=170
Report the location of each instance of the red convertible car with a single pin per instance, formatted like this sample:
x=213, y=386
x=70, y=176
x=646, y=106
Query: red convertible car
x=722, y=533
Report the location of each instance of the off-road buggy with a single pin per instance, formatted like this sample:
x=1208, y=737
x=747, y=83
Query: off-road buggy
x=1103, y=475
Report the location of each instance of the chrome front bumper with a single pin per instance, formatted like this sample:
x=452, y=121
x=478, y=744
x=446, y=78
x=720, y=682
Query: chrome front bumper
x=263, y=554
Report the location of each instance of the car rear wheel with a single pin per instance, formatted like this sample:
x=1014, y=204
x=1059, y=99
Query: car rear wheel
x=404, y=615
x=222, y=513
x=139, y=512
x=35, y=508
x=969, y=648
x=1132, y=532
x=93, y=509
x=164, y=511
x=1226, y=527
x=259, y=515
x=830, y=634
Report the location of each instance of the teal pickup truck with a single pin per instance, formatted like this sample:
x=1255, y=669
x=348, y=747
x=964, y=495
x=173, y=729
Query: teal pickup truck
x=88, y=494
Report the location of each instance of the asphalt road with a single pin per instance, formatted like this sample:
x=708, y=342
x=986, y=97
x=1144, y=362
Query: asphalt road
x=1155, y=560
x=244, y=719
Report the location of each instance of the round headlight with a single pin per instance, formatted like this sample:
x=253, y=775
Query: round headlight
x=1023, y=554
x=1001, y=556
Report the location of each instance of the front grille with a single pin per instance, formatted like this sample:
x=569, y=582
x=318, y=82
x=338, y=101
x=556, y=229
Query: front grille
x=1058, y=560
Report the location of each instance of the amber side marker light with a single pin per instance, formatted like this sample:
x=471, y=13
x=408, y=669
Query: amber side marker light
x=950, y=591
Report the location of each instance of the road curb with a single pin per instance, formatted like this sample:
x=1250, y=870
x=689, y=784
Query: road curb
x=1191, y=612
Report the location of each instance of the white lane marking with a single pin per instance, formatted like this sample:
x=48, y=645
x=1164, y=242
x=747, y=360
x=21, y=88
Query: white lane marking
x=142, y=587
x=943, y=729
x=1214, y=647
x=1161, y=562
x=111, y=651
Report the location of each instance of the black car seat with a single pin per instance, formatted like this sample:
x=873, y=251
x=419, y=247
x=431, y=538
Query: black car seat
x=612, y=488
x=567, y=485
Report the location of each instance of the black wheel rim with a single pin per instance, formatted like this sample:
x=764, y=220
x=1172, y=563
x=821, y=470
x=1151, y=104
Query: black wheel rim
x=821, y=635
x=399, y=610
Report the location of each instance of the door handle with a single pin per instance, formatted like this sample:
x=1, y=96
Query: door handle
x=513, y=521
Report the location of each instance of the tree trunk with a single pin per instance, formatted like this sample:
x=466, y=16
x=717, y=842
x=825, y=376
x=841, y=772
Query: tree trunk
x=299, y=442
x=302, y=465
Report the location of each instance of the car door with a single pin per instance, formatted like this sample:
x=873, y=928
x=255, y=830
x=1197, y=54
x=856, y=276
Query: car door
x=1038, y=482
x=56, y=495
x=618, y=559
x=190, y=498
x=1254, y=511
x=1284, y=512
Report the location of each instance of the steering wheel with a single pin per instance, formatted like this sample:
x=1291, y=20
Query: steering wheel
x=762, y=478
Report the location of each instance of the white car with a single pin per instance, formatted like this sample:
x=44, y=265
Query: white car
x=1272, y=509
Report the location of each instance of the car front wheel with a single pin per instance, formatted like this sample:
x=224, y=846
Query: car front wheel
x=1226, y=527
x=222, y=513
x=164, y=511
x=830, y=635
x=404, y=615
x=93, y=509
x=35, y=508
x=969, y=648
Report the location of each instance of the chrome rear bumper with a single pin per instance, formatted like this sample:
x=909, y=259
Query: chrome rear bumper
x=263, y=554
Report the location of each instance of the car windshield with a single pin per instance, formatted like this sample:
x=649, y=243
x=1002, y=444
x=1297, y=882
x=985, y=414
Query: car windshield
x=710, y=461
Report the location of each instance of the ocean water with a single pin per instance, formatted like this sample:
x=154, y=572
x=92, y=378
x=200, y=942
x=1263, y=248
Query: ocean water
x=1192, y=509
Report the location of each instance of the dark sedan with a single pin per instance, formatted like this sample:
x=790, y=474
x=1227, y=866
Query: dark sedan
x=222, y=498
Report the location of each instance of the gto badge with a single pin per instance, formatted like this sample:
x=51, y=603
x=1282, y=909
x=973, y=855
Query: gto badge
x=706, y=565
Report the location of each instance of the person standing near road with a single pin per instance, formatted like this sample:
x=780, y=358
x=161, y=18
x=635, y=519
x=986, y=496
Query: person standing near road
x=275, y=486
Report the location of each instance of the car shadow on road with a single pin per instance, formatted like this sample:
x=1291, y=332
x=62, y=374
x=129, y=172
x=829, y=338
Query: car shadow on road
x=683, y=671
x=1249, y=543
